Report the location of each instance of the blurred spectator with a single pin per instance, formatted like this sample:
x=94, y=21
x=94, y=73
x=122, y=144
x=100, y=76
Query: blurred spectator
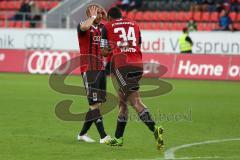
x=123, y=4
x=235, y=5
x=23, y=12
x=196, y=5
x=192, y=25
x=226, y=6
x=185, y=42
x=225, y=21
x=211, y=5
x=180, y=5
x=35, y=14
x=219, y=6
x=205, y=5
x=135, y=4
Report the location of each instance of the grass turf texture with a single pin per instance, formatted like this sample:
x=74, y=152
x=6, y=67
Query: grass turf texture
x=29, y=129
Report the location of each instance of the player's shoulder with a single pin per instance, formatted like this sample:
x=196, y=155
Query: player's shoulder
x=130, y=22
x=79, y=27
x=121, y=21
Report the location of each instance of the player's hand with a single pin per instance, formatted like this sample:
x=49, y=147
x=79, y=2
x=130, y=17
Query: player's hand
x=93, y=11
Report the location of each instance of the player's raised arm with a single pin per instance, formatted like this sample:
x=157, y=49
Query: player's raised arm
x=92, y=13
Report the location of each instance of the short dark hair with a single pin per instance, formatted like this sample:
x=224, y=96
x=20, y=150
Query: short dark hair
x=115, y=13
x=185, y=30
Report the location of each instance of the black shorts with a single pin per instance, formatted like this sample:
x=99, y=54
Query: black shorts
x=128, y=78
x=95, y=85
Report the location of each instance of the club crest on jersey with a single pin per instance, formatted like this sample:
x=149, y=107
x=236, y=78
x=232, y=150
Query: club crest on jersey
x=96, y=39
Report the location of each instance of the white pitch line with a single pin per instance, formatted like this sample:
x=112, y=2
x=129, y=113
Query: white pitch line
x=189, y=158
x=169, y=154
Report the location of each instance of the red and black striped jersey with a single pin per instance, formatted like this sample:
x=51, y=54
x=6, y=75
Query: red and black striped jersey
x=89, y=45
x=124, y=38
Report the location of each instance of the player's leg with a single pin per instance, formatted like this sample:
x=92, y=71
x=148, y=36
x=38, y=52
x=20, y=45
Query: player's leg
x=86, y=126
x=98, y=121
x=122, y=116
x=133, y=77
x=88, y=119
x=121, y=122
x=141, y=109
x=145, y=116
x=99, y=96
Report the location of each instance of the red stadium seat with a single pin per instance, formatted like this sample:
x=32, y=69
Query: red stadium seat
x=11, y=6
x=147, y=16
x=19, y=24
x=163, y=16
x=233, y=16
x=180, y=16
x=157, y=26
x=53, y=4
x=11, y=24
x=208, y=27
x=171, y=16
x=141, y=25
x=165, y=26
x=214, y=17
x=2, y=24
x=197, y=16
x=175, y=26
x=2, y=16
x=238, y=18
x=237, y=26
x=27, y=24
x=139, y=16
x=149, y=26
x=187, y=16
x=211, y=26
x=201, y=26
x=131, y=15
x=155, y=15
x=205, y=16
x=17, y=6
x=3, y=5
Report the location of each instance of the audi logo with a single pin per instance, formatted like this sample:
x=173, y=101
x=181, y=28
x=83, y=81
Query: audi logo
x=2, y=56
x=38, y=41
x=46, y=62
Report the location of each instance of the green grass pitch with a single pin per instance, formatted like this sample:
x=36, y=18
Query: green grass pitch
x=30, y=130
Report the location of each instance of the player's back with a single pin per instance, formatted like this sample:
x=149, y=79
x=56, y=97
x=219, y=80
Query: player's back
x=124, y=38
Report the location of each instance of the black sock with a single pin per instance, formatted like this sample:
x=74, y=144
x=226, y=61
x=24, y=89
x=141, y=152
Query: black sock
x=87, y=124
x=146, y=118
x=121, y=124
x=99, y=123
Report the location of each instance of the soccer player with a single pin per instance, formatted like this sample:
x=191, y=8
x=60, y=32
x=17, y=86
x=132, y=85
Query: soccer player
x=94, y=77
x=122, y=38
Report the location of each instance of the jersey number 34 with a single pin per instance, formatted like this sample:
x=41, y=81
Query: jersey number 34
x=128, y=38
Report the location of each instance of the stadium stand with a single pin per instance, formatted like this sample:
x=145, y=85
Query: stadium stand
x=151, y=14
x=174, y=15
x=9, y=8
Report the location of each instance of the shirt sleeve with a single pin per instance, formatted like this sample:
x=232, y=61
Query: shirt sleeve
x=104, y=40
x=189, y=39
x=79, y=28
